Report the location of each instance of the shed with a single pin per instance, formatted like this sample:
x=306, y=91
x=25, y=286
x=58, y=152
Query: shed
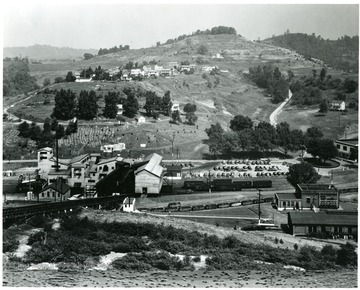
x=141, y=119
x=287, y=200
x=56, y=191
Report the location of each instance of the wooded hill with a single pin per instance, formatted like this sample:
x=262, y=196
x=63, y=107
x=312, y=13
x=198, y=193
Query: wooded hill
x=341, y=53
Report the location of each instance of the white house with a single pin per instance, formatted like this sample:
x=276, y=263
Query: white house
x=337, y=106
x=175, y=107
x=141, y=119
x=120, y=109
x=129, y=204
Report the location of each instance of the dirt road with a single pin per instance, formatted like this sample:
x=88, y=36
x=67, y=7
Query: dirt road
x=278, y=110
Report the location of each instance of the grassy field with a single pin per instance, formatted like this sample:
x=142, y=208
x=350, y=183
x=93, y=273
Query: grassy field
x=329, y=123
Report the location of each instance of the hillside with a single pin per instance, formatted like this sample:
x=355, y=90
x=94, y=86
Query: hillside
x=342, y=53
x=46, y=52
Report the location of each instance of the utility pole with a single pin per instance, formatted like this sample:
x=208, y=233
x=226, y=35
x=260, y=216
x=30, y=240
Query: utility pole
x=259, y=204
x=177, y=154
x=172, y=144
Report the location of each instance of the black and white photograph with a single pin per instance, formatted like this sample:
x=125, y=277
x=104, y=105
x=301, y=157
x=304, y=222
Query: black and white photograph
x=194, y=144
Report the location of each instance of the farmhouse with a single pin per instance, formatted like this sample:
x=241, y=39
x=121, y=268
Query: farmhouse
x=329, y=223
x=348, y=148
x=120, y=109
x=173, y=64
x=337, y=106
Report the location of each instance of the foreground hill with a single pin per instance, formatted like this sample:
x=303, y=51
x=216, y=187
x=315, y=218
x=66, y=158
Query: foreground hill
x=46, y=52
x=342, y=53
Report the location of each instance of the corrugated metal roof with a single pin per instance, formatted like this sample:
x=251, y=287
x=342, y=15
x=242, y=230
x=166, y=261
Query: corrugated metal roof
x=78, y=158
x=153, y=166
x=110, y=160
x=323, y=218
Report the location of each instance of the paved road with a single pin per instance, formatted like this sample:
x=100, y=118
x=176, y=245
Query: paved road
x=278, y=110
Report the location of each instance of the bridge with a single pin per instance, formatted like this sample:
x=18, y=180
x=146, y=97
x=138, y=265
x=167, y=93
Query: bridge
x=53, y=207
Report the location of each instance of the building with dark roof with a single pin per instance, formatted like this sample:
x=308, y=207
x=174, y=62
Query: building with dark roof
x=318, y=196
x=329, y=223
x=56, y=191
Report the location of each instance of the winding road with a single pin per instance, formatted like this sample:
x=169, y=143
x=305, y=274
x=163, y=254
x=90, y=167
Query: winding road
x=278, y=110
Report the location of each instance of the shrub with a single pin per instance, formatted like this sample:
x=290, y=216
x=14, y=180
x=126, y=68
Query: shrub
x=347, y=255
x=10, y=245
x=230, y=242
x=196, y=259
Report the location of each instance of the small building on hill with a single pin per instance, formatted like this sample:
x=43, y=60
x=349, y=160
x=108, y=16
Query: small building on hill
x=141, y=119
x=329, y=223
x=337, y=106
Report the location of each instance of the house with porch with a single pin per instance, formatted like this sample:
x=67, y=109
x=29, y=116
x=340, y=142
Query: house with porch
x=337, y=106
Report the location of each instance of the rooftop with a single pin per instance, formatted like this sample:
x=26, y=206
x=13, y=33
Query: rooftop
x=59, y=186
x=153, y=165
x=352, y=141
x=317, y=187
x=287, y=195
x=323, y=218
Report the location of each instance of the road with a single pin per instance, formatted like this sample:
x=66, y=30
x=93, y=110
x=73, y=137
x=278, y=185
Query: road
x=278, y=110
x=204, y=216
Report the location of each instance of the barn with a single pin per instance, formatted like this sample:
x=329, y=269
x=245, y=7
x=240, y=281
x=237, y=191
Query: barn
x=149, y=177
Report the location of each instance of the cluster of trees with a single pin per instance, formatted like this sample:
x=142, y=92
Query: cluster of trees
x=51, y=130
x=342, y=53
x=114, y=49
x=67, y=105
x=190, y=116
x=271, y=79
x=264, y=137
x=308, y=89
x=154, y=104
x=213, y=31
x=88, y=55
x=17, y=79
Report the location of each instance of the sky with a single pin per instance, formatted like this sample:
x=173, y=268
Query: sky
x=93, y=25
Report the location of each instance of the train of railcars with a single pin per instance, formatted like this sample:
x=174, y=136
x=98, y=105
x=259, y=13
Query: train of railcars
x=227, y=184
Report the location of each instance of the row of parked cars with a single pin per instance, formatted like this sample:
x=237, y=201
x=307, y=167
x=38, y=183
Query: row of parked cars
x=247, y=162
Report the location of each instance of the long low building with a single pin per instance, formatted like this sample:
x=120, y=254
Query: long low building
x=326, y=222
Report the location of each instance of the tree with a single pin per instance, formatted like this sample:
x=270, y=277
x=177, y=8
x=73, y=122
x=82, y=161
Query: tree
x=323, y=74
x=110, y=109
x=155, y=115
x=302, y=173
x=35, y=131
x=191, y=118
x=47, y=126
x=175, y=117
x=54, y=124
x=46, y=82
x=245, y=138
x=323, y=107
x=153, y=102
x=71, y=128
x=202, y=49
x=240, y=123
x=88, y=55
x=58, y=80
x=327, y=149
x=347, y=255
x=230, y=142
x=284, y=136
x=277, y=74
x=65, y=105
x=87, y=105
x=291, y=75
x=215, y=142
x=166, y=103
x=350, y=85
x=131, y=106
x=60, y=132
x=214, y=129
x=189, y=108
x=313, y=132
x=70, y=77
x=24, y=130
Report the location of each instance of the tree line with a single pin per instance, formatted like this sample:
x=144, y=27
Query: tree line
x=342, y=53
x=46, y=136
x=308, y=90
x=213, y=31
x=16, y=78
x=114, y=49
x=271, y=79
x=265, y=137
